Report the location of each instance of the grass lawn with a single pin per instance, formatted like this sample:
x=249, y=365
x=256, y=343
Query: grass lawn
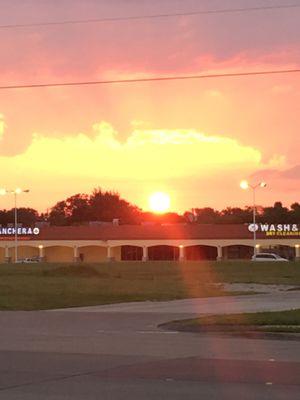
x=275, y=321
x=45, y=286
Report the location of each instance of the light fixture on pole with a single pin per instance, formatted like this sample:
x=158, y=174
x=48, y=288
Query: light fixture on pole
x=15, y=193
x=246, y=185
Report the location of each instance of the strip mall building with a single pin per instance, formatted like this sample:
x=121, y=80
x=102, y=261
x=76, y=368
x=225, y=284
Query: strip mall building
x=146, y=242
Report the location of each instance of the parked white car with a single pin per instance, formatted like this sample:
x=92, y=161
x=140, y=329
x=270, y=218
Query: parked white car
x=267, y=257
x=29, y=260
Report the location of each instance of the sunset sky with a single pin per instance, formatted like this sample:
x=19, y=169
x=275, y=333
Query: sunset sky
x=194, y=139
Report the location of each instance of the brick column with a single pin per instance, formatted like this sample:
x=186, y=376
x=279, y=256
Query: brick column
x=41, y=252
x=109, y=255
x=220, y=253
x=145, y=253
x=181, y=253
x=7, y=258
x=297, y=251
x=75, y=254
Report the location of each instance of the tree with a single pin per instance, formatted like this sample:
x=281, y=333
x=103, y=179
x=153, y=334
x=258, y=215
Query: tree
x=57, y=214
x=106, y=206
x=236, y=215
x=25, y=216
x=73, y=210
x=166, y=218
x=78, y=208
x=99, y=206
x=295, y=212
x=276, y=214
x=206, y=215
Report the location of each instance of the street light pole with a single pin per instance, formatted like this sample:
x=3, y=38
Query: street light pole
x=245, y=185
x=15, y=193
x=254, y=222
x=16, y=227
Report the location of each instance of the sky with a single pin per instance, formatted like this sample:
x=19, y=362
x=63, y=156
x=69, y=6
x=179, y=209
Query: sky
x=193, y=139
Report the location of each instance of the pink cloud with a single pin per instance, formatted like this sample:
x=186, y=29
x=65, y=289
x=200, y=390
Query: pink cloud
x=162, y=46
x=290, y=173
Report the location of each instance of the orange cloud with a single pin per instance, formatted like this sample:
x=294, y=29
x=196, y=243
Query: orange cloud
x=146, y=154
x=56, y=165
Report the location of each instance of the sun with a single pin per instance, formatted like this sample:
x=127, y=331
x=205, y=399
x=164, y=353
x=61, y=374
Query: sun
x=159, y=202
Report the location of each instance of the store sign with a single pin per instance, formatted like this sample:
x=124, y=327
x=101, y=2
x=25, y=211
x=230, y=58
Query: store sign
x=20, y=231
x=276, y=229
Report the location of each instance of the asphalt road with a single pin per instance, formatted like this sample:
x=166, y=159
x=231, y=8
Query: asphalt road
x=117, y=352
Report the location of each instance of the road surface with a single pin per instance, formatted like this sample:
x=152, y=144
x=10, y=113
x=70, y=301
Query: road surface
x=117, y=352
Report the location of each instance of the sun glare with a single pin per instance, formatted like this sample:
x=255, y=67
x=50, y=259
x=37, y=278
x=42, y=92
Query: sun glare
x=159, y=202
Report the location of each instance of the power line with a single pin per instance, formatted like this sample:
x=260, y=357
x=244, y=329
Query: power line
x=156, y=79
x=154, y=16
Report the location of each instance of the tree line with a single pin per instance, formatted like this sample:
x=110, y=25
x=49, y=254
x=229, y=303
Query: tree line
x=277, y=214
x=106, y=206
